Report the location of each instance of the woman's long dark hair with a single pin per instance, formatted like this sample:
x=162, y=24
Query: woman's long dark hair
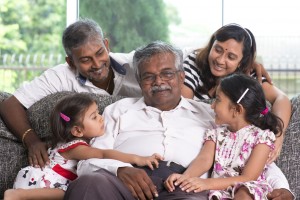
x=254, y=102
x=230, y=31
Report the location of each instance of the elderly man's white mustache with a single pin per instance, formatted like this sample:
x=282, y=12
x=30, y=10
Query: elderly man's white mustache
x=160, y=88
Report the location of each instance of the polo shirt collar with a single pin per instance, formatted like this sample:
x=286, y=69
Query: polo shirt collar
x=114, y=64
x=117, y=67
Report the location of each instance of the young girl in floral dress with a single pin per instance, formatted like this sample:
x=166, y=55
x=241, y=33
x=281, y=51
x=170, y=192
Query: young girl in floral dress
x=239, y=147
x=74, y=121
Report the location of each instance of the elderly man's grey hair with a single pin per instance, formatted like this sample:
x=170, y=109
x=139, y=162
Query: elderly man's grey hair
x=79, y=33
x=145, y=53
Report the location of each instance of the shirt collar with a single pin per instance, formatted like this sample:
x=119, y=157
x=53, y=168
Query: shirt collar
x=184, y=103
x=117, y=67
x=114, y=64
x=81, y=79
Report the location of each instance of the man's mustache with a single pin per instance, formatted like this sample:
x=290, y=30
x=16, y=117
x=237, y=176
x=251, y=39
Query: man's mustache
x=160, y=88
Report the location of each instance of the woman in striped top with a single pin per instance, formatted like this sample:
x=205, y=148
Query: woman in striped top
x=230, y=49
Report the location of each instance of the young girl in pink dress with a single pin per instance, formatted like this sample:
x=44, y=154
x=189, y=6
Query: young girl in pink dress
x=238, y=148
x=74, y=121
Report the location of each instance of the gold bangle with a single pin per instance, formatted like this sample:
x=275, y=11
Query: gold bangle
x=24, y=135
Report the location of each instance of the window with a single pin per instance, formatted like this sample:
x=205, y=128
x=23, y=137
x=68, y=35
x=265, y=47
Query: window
x=30, y=32
x=192, y=22
x=30, y=39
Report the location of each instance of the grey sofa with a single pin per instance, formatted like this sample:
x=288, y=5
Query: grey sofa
x=13, y=154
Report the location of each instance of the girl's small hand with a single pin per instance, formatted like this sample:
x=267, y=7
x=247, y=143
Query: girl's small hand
x=174, y=180
x=150, y=161
x=194, y=184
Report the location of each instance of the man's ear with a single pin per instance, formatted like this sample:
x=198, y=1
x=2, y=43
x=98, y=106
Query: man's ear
x=77, y=131
x=70, y=62
x=106, y=43
x=181, y=77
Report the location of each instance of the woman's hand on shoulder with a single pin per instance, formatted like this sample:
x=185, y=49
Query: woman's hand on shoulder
x=276, y=152
x=261, y=72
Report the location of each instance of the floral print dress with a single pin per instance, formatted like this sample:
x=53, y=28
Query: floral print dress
x=58, y=174
x=233, y=150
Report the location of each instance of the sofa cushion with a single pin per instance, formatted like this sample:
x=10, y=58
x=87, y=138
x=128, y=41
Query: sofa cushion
x=4, y=95
x=11, y=152
x=288, y=161
x=4, y=133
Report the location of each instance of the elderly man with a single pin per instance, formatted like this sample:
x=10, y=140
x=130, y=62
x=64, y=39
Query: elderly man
x=162, y=121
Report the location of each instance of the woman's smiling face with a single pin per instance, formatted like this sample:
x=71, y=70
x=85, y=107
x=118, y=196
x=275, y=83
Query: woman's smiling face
x=224, y=57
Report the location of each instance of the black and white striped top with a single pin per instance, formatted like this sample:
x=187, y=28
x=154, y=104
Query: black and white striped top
x=192, y=76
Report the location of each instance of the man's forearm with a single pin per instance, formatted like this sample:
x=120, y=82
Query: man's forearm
x=14, y=116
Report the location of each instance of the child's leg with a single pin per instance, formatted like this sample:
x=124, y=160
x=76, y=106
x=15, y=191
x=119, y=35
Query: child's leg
x=243, y=193
x=32, y=194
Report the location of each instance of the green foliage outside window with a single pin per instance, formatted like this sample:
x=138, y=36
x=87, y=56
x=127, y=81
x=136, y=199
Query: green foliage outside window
x=31, y=31
x=128, y=24
x=31, y=26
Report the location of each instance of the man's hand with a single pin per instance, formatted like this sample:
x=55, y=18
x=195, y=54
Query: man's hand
x=37, y=153
x=280, y=194
x=138, y=182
